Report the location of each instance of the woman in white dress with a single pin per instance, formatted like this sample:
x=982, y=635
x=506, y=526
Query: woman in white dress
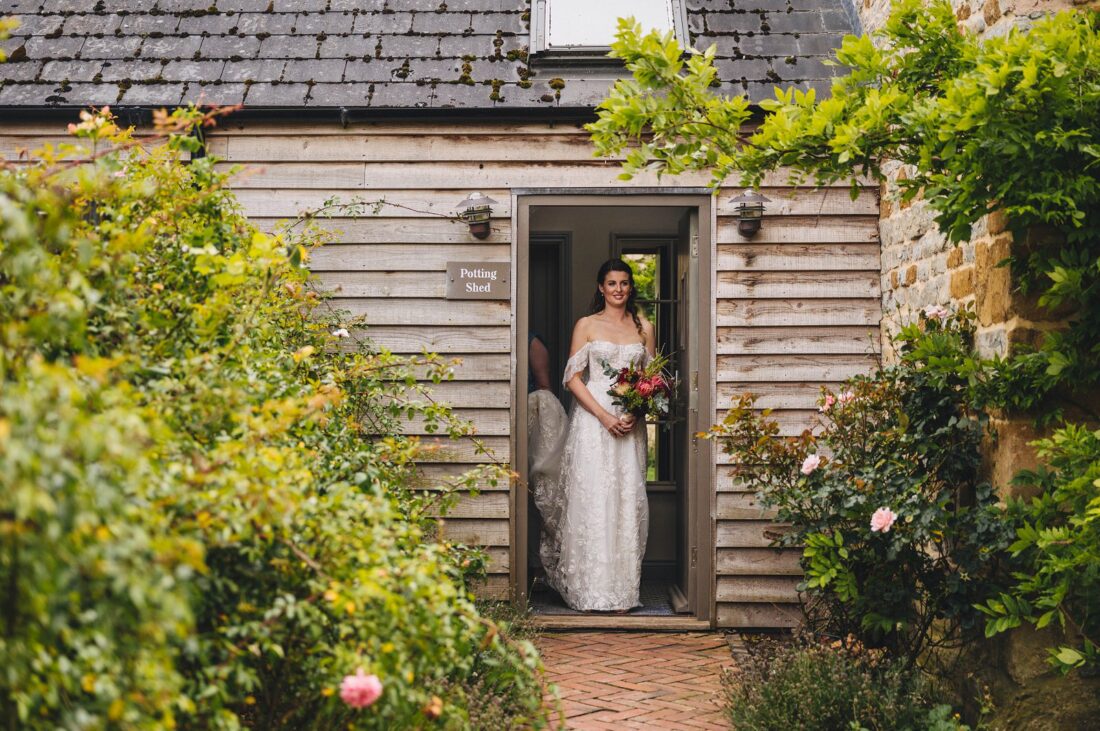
x=604, y=515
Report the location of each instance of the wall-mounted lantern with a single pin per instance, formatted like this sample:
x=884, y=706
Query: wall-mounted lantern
x=475, y=211
x=750, y=211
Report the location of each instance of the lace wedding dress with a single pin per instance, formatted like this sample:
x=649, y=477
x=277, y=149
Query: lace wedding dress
x=599, y=505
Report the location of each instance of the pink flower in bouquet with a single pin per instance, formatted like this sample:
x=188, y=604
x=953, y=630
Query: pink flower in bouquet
x=645, y=388
x=360, y=690
x=658, y=383
x=828, y=404
x=882, y=520
x=811, y=463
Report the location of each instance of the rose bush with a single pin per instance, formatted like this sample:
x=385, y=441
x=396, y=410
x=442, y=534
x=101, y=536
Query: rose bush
x=209, y=517
x=900, y=535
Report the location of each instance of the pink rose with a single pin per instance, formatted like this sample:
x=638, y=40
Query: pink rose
x=882, y=520
x=811, y=463
x=360, y=690
x=936, y=312
x=829, y=401
x=845, y=397
x=645, y=388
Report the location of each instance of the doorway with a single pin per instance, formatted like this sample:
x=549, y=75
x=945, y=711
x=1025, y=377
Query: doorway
x=562, y=242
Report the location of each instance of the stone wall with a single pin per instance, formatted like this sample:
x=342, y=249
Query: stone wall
x=920, y=268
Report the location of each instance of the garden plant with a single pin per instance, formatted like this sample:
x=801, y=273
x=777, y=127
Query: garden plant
x=211, y=517
x=1009, y=125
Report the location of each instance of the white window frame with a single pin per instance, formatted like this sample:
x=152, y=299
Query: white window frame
x=540, y=36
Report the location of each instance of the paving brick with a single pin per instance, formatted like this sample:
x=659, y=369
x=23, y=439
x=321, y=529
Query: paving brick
x=626, y=680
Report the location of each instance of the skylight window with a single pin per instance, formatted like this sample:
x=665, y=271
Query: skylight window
x=590, y=25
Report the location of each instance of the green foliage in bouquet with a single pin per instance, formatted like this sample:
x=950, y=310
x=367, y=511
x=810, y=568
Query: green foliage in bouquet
x=210, y=517
x=642, y=390
x=900, y=535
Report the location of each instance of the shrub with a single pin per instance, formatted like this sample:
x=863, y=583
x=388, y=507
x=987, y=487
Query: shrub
x=1058, y=547
x=816, y=687
x=213, y=518
x=900, y=536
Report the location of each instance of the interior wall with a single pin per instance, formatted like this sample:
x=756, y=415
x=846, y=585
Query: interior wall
x=592, y=229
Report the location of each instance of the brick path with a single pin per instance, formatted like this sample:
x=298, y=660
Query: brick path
x=637, y=680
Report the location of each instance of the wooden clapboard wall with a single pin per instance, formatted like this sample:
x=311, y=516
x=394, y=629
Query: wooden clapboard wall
x=797, y=306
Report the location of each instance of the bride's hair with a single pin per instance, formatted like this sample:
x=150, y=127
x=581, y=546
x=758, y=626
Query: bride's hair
x=598, y=304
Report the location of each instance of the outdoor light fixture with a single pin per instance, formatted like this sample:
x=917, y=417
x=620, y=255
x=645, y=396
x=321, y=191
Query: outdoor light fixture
x=475, y=211
x=750, y=211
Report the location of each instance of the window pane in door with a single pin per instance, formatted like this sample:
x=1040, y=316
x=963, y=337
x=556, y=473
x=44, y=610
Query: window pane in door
x=593, y=22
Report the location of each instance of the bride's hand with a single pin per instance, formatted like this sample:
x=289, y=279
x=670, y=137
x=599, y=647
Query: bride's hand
x=628, y=421
x=613, y=424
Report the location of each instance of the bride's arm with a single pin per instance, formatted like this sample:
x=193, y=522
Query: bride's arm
x=576, y=386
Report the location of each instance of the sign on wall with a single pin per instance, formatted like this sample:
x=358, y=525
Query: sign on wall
x=478, y=280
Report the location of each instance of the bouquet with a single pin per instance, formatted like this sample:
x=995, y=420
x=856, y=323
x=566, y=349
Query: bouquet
x=640, y=391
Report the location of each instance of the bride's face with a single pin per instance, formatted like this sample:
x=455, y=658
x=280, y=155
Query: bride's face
x=616, y=288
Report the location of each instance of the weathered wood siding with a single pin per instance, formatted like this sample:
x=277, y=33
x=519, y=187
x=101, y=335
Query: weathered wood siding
x=797, y=306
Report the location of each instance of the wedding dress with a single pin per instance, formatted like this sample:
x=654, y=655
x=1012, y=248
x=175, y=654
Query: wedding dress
x=599, y=506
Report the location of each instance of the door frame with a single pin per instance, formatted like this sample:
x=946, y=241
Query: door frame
x=701, y=522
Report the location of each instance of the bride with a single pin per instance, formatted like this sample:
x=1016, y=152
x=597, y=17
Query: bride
x=595, y=560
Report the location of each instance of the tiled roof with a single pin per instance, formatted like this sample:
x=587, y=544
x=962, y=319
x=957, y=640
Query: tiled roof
x=366, y=53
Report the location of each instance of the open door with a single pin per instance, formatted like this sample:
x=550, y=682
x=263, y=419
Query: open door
x=686, y=445
x=562, y=239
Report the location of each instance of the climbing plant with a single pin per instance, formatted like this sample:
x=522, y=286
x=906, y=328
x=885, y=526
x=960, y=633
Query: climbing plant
x=1008, y=124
